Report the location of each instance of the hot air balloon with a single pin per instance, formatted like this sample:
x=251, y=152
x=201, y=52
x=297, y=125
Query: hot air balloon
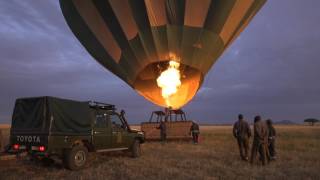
x=151, y=44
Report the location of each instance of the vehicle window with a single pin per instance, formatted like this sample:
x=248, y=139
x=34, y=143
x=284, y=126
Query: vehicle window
x=116, y=121
x=101, y=120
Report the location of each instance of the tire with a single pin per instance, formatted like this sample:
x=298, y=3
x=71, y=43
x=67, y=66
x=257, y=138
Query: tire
x=136, y=149
x=76, y=158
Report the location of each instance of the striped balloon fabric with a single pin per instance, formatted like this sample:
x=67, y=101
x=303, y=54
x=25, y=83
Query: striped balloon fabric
x=135, y=39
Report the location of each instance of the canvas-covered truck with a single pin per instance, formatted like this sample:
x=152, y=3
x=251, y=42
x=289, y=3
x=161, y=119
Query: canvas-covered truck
x=49, y=126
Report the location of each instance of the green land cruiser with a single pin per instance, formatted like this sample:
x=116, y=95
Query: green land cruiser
x=49, y=126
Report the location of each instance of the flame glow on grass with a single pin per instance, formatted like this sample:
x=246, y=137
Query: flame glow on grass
x=169, y=81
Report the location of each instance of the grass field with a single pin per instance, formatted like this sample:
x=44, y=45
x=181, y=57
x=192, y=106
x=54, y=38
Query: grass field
x=216, y=157
x=4, y=135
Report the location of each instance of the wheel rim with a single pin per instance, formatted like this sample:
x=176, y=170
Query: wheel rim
x=80, y=158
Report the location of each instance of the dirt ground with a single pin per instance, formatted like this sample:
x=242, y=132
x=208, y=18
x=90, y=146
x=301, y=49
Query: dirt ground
x=216, y=157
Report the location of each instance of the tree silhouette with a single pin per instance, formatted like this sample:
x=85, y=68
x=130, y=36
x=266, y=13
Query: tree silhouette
x=311, y=121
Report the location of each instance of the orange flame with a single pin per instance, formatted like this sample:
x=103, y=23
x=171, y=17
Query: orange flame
x=169, y=81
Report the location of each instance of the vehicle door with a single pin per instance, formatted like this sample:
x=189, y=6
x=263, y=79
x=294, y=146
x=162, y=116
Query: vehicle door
x=119, y=131
x=102, y=131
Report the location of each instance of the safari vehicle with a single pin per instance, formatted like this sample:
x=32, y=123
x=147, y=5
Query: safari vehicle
x=47, y=126
x=177, y=125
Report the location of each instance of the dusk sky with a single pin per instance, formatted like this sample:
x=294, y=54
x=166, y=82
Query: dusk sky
x=272, y=69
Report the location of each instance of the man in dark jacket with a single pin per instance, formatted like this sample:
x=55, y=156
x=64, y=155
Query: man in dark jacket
x=260, y=140
x=242, y=132
x=271, y=140
x=195, y=131
x=163, y=131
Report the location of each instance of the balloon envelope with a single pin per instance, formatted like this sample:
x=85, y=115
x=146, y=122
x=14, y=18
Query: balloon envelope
x=135, y=39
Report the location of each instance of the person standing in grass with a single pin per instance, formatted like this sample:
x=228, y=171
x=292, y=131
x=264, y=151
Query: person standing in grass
x=195, y=131
x=163, y=131
x=260, y=140
x=271, y=140
x=242, y=132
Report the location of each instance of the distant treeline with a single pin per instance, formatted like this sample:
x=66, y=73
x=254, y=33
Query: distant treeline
x=311, y=121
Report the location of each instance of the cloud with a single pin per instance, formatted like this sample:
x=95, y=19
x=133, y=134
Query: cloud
x=203, y=91
x=240, y=86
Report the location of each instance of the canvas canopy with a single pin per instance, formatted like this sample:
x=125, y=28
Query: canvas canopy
x=50, y=114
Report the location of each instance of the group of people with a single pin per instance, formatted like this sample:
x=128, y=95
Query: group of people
x=263, y=139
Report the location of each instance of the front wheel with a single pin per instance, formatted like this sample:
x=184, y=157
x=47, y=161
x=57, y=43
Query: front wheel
x=76, y=158
x=136, y=149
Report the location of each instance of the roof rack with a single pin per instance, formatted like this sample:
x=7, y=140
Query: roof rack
x=99, y=105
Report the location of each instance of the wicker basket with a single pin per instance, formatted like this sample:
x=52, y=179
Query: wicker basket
x=175, y=130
